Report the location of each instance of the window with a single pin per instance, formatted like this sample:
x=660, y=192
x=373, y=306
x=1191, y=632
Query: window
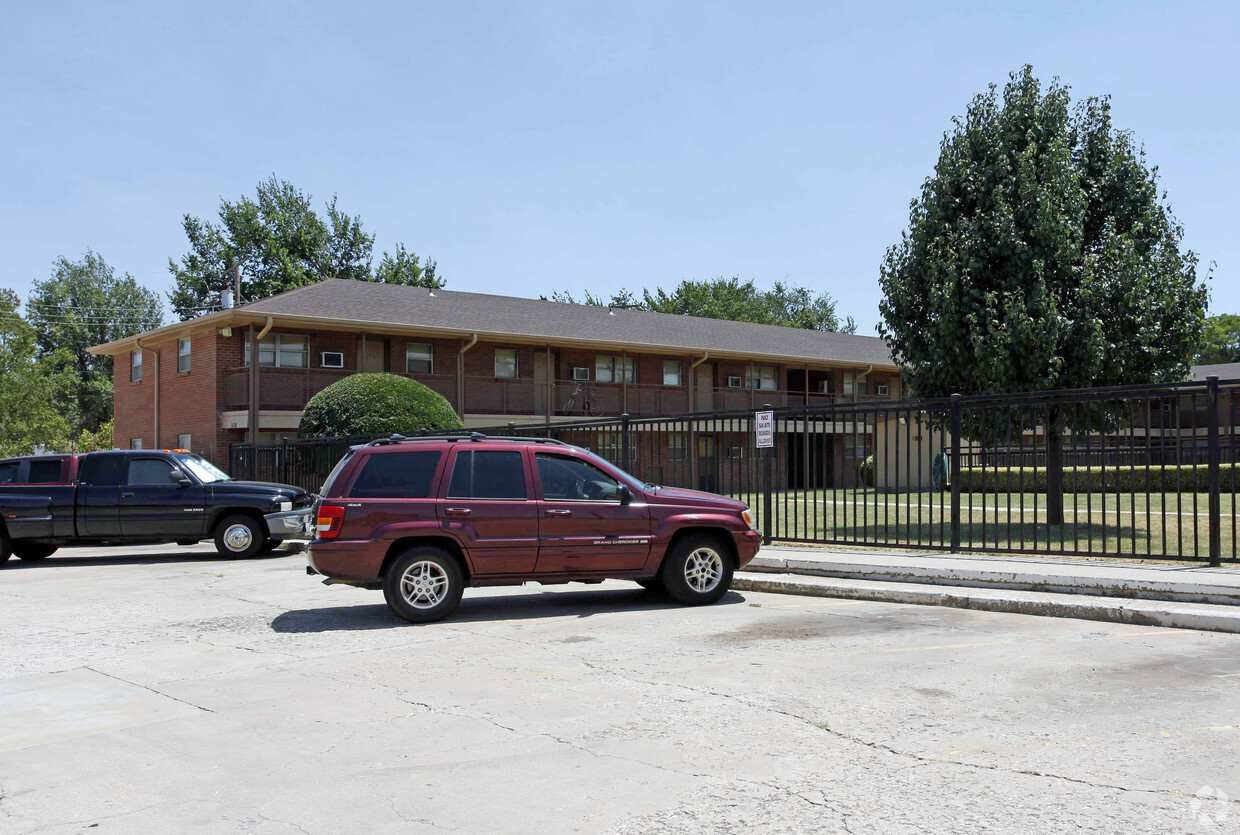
x=282, y=350
x=608, y=447
x=420, y=358
x=149, y=471
x=135, y=443
x=614, y=370
x=487, y=475
x=185, y=441
x=736, y=452
x=851, y=442
x=855, y=383
x=135, y=366
x=673, y=373
x=8, y=472
x=571, y=479
x=182, y=356
x=506, y=363
x=761, y=377
x=396, y=475
x=676, y=446
x=45, y=472
x=104, y=470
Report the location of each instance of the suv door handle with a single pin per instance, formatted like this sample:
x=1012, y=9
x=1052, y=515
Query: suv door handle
x=457, y=511
x=126, y=495
x=559, y=513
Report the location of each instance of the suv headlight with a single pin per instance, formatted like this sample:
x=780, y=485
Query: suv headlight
x=747, y=515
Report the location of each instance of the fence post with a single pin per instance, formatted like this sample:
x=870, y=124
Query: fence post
x=955, y=473
x=768, y=456
x=626, y=454
x=1213, y=453
x=284, y=461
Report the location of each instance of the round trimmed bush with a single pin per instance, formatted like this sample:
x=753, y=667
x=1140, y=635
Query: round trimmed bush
x=376, y=404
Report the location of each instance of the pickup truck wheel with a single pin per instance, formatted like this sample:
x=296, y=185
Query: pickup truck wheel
x=698, y=571
x=34, y=552
x=239, y=536
x=6, y=547
x=423, y=585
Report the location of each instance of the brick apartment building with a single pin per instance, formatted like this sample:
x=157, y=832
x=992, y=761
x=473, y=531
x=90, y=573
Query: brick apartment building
x=496, y=359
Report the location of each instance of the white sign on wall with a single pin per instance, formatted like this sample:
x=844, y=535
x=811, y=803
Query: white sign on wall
x=764, y=426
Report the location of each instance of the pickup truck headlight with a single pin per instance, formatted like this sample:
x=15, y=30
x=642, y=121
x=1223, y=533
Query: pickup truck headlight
x=285, y=507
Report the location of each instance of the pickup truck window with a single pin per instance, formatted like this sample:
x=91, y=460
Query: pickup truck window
x=396, y=475
x=488, y=475
x=8, y=472
x=105, y=470
x=150, y=471
x=45, y=472
x=205, y=471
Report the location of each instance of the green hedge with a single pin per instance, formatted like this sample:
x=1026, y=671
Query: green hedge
x=1193, y=478
x=376, y=404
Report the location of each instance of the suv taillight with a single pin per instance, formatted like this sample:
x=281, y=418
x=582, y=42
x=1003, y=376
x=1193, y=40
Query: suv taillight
x=331, y=517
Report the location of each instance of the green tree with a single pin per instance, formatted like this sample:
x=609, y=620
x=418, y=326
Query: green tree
x=280, y=243
x=1222, y=340
x=36, y=390
x=403, y=267
x=1040, y=256
x=376, y=404
x=730, y=298
x=84, y=303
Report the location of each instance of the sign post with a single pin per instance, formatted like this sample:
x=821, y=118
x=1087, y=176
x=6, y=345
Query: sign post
x=764, y=431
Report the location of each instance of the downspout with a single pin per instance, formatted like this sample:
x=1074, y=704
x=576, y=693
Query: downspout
x=256, y=339
x=704, y=358
x=858, y=378
x=142, y=347
x=460, y=374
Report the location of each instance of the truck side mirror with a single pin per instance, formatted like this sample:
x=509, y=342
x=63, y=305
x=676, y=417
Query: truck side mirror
x=178, y=478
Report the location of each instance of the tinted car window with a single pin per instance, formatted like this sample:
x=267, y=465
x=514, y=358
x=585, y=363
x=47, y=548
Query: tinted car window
x=45, y=472
x=8, y=472
x=571, y=479
x=396, y=475
x=487, y=475
x=103, y=470
x=149, y=471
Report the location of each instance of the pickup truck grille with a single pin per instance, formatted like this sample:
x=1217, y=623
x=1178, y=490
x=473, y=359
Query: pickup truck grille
x=304, y=500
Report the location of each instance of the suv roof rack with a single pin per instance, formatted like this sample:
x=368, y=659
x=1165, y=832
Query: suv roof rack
x=472, y=436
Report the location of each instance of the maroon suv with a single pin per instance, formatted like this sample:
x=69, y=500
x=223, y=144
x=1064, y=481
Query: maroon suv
x=422, y=518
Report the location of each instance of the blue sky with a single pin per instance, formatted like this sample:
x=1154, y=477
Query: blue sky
x=539, y=146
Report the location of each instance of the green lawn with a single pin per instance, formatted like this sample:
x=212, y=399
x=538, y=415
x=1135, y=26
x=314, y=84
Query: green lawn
x=1173, y=524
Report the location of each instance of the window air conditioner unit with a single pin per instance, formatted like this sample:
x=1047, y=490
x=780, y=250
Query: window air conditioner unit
x=331, y=359
x=881, y=389
x=824, y=386
x=580, y=373
x=734, y=382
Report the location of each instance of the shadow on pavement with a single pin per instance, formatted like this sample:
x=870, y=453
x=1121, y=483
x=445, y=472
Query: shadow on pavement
x=531, y=606
x=105, y=556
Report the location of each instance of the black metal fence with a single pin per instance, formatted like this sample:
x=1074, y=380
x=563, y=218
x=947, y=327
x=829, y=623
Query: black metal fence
x=1138, y=471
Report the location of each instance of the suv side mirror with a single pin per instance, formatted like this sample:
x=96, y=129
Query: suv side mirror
x=625, y=494
x=178, y=478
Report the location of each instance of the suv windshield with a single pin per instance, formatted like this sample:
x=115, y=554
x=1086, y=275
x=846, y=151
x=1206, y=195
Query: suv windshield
x=205, y=471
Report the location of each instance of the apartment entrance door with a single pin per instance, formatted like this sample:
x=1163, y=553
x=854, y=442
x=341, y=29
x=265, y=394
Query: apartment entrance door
x=375, y=357
x=540, y=383
x=704, y=388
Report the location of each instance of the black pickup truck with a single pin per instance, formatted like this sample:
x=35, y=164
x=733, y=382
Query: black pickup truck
x=142, y=496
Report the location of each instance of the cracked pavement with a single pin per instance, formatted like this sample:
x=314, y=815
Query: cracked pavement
x=164, y=689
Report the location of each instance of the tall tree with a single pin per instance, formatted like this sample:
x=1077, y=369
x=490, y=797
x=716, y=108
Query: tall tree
x=36, y=391
x=730, y=298
x=1222, y=340
x=84, y=303
x=280, y=243
x=402, y=267
x=1040, y=256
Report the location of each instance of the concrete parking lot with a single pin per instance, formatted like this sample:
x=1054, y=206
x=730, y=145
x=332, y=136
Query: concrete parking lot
x=166, y=690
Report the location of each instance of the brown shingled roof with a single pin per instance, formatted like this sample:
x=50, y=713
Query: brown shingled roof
x=377, y=305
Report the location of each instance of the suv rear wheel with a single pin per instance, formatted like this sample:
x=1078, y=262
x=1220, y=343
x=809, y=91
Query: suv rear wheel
x=239, y=537
x=698, y=570
x=424, y=584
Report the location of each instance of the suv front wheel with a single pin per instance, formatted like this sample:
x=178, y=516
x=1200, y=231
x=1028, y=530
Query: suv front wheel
x=423, y=585
x=698, y=570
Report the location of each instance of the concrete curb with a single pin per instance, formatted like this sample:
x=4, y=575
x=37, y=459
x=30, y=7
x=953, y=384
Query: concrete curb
x=1201, y=616
x=1037, y=579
